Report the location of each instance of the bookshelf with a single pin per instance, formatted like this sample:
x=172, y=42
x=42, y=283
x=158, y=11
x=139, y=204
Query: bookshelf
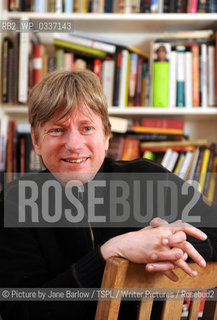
x=138, y=30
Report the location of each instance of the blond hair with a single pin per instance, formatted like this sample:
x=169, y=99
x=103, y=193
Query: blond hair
x=63, y=92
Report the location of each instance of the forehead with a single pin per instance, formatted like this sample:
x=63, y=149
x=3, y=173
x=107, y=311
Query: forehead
x=76, y=115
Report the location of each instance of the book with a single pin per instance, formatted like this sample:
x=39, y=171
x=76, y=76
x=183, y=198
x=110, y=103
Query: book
x=203, y=75
x=179, y=163
x=185, y=164
x=138, y=82
x=165, y=123
x=79, y=48
x=68, y=6
x=202, y=6
x=161, y=74
x=211, y=75
x=168, y=144
x=131, y=149
x=37, y=63
x=192, y=168
x=140, y=129
x=172, y=79
x=132, y=78
x=109, y=48
x=192, y=6
x=23, y=67
x=180, y=102
x=3, y=141
x=7, y=70
x=204, y=167
x=212, y=6
x=195, y=76
x=108, y=79
x=209, y=169
x=188, y=34
x=116, y=146
x=124, y=76
x=188, y=79
x=166, y=158
x=119, y=124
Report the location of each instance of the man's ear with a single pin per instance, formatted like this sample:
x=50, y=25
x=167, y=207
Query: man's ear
x=35, y=143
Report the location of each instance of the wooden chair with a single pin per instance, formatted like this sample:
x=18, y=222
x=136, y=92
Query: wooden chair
x=120, y=273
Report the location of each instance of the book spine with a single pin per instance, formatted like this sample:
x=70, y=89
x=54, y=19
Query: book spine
x=179, y=6
x=86, y=42
x=154, y=6
x=195, y=76
x=188, y=79
x=202, y=6
x=123, y=79
x=160, y=6
x=117, y=78
x=173, y=79
x=212, y=6
x=59, y=6
x=144, y=83
x=78, y=47
x=68, y=6
x=23, y=67
x=145, y=6
x=138, y=82
x=163, y=123
x=192, y=6
x=160, y=84
x=97, y=64
x=132, y=78
x=39, y=6
x=5, y=70
x=108, y=6
x=211, y=75
x=60, y=60
x=128, y=8
x=180, y=102
x=67, y=61
x=37, y=63
x=108, y=80
x=172, y=6
x=204, y=80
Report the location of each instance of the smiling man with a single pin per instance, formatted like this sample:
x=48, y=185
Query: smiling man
x=70, y=131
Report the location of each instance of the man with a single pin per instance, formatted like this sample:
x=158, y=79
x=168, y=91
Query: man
x=70, y=131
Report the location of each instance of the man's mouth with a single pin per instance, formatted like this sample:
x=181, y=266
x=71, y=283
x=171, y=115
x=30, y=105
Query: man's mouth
x=75, y=160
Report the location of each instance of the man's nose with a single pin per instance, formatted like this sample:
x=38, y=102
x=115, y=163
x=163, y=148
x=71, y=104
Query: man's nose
x=73, y=140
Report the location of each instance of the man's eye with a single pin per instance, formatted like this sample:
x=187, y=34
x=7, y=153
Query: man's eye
x=56, y=131
x=87, y=129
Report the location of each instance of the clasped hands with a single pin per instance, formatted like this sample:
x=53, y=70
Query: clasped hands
x=161, y=246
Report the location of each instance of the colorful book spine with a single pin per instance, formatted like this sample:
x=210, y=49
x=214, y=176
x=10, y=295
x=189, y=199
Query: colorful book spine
x=80, y=48
x=160, y=84
x=154, y=6
x=97, y=66
x=39, y=6
x=37, y=63
x=173, y=79
x=192, y=6
x=180, y=102
x=68, y=6
x=23, y=67
x=211, y=75
x=59, y=6
x=124, y=74
x=108, y=80
x=188, y=79
x=195, y=76
x=202, y=6
x=132, y=78
x=139, y=82
x=203, y=73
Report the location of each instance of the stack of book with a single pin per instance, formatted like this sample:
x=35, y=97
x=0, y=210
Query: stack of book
x=123, y=69
x=114, y=6
x=184, y=70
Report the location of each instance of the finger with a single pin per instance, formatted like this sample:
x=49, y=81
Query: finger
x=171, y=275
x=185, y=256
x=192, y=252
x=189, y=229
x=175, y=238
x=167, y=255
x=186, y=268
x=159, y=266
x=157, y=222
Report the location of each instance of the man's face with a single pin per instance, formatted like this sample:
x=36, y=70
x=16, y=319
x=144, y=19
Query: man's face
x=72, y=148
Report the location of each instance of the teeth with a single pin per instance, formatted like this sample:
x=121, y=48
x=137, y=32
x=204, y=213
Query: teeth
x=76, y=161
